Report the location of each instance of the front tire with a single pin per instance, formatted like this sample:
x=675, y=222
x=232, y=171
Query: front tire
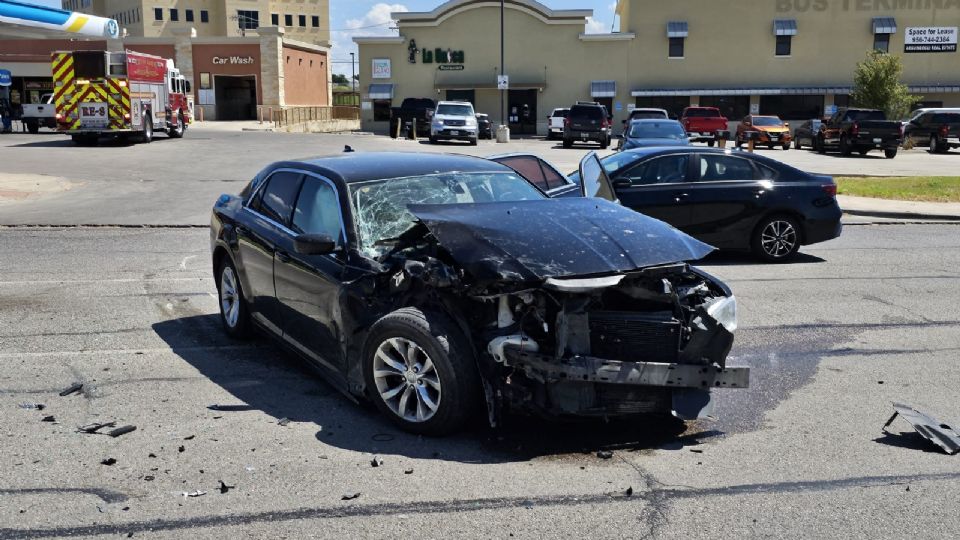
x=820, y=146
x=890, y=153
x=776, y=239
x=796, y=145
x=420, y=372
x=786, y=146
x=234, y=313
x=473, y=141
x=568, y=143
x=935, y=146
x=177, y=132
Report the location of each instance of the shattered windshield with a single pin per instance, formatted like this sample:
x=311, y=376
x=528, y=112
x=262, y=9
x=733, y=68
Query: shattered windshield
x=381, y=211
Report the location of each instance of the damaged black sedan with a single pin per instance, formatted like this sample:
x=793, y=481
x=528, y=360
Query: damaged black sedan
x=437, y=286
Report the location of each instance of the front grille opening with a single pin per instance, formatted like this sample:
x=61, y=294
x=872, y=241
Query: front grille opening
x=635, y=337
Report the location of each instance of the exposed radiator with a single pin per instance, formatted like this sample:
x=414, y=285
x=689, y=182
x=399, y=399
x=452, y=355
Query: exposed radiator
x=631, y=336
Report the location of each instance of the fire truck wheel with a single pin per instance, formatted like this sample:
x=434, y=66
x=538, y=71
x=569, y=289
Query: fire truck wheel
x=177, y=132
x=147, y=134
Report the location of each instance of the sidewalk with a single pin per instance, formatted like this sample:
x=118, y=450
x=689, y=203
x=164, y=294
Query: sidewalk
x=866, y=206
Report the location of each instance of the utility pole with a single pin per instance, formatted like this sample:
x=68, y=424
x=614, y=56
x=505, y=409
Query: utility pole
x=502, y=72
x=353, y=73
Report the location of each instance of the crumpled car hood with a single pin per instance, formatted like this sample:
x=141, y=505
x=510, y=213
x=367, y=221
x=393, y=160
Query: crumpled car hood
x=535, y=240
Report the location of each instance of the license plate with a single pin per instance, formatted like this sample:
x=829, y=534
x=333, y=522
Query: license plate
x=583, y=137
x=877, y=141
x=454, y=132
x=94, y=115
x=774, y=137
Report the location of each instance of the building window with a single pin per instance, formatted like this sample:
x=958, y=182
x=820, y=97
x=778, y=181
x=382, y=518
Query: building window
x=158, y=14
x=248, y=20
x=174, y=16
x=188, y=15
x=302, y=20
x=732, y=107
x=275, y=19
x=381, y=110
x=783, y=45
x=315, y=21
x=288, y=20
x=204, y=16
x=676, y=47
x=881, y=42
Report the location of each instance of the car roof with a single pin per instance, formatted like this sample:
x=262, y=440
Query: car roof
x=350, y=167
x=653, y=121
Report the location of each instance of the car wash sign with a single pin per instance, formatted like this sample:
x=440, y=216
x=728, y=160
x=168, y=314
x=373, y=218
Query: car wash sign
x=930, y=39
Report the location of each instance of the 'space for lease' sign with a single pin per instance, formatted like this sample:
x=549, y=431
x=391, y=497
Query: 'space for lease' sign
x=918, y=39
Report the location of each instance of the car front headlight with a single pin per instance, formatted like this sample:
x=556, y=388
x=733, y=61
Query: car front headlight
x=724, y=311
x=438, y=122
x=471, y=122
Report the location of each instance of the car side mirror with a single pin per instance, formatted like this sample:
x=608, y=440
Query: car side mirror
x=314, y=244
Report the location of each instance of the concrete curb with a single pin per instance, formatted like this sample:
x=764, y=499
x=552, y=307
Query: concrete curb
x=901, y=215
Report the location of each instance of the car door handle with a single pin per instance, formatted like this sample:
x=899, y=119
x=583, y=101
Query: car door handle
x=680, y=197
x=283, y=257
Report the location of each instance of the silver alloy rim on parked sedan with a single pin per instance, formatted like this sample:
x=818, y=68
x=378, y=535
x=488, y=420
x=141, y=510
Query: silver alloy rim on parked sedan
x=406, y=379
x=229, y=297
x=778, y=238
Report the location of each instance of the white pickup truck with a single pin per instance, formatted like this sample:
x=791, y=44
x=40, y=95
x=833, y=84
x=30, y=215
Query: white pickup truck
x=40, y=114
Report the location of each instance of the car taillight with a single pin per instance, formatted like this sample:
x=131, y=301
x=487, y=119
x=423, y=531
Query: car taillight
x=829, y=189
x=944, y=130
x=604, y=123
x=59, y=117
x=855, y=129
x=566, y=122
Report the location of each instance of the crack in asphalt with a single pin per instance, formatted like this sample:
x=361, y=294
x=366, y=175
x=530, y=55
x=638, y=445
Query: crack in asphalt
x=659, y=498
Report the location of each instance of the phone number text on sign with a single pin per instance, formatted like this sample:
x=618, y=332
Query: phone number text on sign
x=930, y=39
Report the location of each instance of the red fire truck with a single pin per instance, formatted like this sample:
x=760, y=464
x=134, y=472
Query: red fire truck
x=121, y=94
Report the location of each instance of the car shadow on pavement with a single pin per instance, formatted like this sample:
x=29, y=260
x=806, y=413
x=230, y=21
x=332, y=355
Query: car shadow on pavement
x=736, y=258
x=108, y=142
x=261, y=376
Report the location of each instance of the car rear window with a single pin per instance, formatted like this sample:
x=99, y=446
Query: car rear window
x=947, y=118
x=866, y=115
x=702, y=113
x=560, y=113
x=593, y=113
x=642, y=115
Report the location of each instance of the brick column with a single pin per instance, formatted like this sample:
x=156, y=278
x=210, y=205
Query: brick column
x=183, y=46
x=271, y=65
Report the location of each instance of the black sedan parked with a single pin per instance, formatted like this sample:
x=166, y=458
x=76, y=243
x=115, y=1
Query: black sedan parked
x=730, y=199
x=484, y=127
x=806, y=134
x=433, y=284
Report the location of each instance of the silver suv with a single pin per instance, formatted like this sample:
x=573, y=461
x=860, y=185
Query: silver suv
x=454, y=121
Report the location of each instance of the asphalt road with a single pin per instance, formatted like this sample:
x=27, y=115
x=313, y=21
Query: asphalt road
x=46, y=180
x=833, y=339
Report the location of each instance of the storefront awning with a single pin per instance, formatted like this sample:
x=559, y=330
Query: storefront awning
x=884, y=25
x=380, y=91
x=487, y=85
x=603, y=89
x=785, y=27
x=677, y=29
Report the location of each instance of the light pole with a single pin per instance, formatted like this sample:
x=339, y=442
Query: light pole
x=502, y=72
x=353, y=73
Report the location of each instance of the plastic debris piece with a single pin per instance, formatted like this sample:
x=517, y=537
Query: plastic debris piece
x=75, y=387
x=350, y=496
x=122, y=430
x=408, y=471
x=226, y=408
x=935, y=431
x=182, y=449
x=190, y=438
x=94, y=428
x=50, y=418
x=283, y=421
x=224, y=487
x=376, y=461
x=196, y=493
x=629, y=492
x=108, y=461
x=151, y=455
x=149, y=478
x=604, y=454
x=36, y=406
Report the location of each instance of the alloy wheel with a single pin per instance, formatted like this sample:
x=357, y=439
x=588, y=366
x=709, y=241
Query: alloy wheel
x=778, y=239
x=229, y=297
x=406, y=379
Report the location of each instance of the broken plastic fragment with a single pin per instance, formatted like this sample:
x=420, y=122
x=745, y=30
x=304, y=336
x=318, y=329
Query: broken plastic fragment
x=108, y=461
x=604, y=454
x=349, y=496
x=928, y=427
x=224, y=487
x=48, y=419
x=122, y=430
x=94, y=428
x=75, y=387
x=376, y=461
x=283, y=421
x=37, y=406
x=196, y=493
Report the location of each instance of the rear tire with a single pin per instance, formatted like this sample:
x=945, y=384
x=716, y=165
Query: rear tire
x=146, y=135
x=786, y=146
x=568, y=143
x=420, y=372
x=473, y=141
x=604, y=144
x=820, y=146
x=863, y=151
x=776, y=239
x=890, y=153
x=711, y=142
x=845, y=148
x=936, y=147
x=33, y=127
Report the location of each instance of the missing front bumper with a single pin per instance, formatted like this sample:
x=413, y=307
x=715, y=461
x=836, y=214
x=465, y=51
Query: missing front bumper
x=547, y=369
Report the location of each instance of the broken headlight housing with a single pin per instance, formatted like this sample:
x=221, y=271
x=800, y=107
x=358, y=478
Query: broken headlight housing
x=724, y=311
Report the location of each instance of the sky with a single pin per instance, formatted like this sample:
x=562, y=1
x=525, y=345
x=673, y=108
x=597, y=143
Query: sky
x=349, y=18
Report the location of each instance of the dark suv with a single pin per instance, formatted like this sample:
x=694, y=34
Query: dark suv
x=586, y=122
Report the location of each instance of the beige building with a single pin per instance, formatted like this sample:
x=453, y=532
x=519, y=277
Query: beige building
x=793, y=58
x=302, y=20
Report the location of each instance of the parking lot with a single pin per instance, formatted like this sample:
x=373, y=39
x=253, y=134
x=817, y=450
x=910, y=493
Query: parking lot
x=832, y=339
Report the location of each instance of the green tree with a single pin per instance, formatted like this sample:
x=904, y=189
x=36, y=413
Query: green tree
x=876, y=85
x=341, y=80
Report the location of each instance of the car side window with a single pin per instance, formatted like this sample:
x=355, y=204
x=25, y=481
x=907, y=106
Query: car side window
x=661, y=170
x=318, y=210
x=766, y=173
x=553, y=178
x=714, y=168
x=529, y=168
x=278, y=196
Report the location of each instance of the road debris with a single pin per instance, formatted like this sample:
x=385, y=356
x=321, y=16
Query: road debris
x=928, y=427
x=182, y=449
x=149, y=478
x=108, y=461
x=91, y=429
x=604, y=454
x=408, y=471
x=629, y=492
x=122, y=430
x=36, y=406
x=75, y=387
x=376, y=461
x=349, y=496
x=283, y=421
x=50, y=418
x=226, y=408
x=196, y=493
x=224, y=487
x=190, y=438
